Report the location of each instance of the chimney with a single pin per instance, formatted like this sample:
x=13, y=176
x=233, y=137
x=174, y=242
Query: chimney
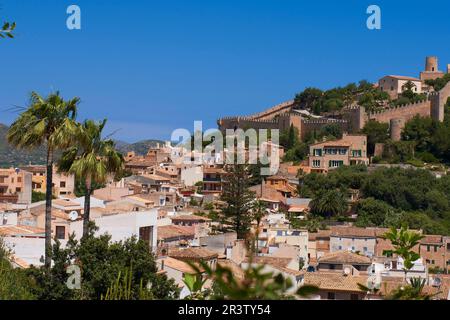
x=448, y=68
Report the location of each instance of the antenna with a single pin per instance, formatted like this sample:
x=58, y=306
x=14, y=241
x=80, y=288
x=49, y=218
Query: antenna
x=347, y=271
x=73, y=215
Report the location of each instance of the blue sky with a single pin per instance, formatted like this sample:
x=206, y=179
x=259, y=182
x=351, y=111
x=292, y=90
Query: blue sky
x=153, y=66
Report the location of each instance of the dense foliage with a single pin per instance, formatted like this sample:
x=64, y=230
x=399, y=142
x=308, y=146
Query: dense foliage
x=363, y=93
x=13, y=283
x=388, y=196
x=101, y=262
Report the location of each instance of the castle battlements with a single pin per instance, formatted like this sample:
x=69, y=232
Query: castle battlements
x=401, y=106
x=324, y=121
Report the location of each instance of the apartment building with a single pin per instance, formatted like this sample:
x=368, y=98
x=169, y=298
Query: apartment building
x=435, y=250
x=362, y=240
x=328, y=155
x=63, y=184
x=15, y=186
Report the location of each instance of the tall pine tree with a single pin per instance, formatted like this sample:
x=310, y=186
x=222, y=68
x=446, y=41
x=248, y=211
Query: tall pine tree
x=238, y=197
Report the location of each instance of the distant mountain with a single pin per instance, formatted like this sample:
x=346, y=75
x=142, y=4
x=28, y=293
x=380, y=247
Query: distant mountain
x=10, y=156
x=140, y=147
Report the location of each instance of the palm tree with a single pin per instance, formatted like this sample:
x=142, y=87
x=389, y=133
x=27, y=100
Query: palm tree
x=404, y=241
x=258, y=212
x=93, y=159
x=48, y=121
x=329, y=203
x=412, y=291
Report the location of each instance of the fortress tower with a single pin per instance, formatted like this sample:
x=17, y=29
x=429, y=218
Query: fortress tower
x=431, y=64
x=396, y=128
x=431, y=69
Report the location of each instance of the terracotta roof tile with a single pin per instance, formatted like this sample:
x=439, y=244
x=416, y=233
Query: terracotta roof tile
x=344, y=257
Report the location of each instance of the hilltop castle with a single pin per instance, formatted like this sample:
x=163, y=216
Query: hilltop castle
x=353, y=118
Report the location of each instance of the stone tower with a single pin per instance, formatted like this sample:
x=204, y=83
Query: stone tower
x=396, y=127
x=431, y=69
x=431, y=64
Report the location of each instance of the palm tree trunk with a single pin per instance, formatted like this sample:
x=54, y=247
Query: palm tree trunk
x=87, y=207
x=257, y=238
x=48, y=209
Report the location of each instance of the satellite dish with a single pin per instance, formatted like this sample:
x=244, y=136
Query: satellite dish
x=437, y=282
x=73, y=215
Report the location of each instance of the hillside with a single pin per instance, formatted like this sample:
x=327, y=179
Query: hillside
x=9, y=156
x=140, y=147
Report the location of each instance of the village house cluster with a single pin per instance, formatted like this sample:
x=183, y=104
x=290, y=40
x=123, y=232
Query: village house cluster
x=168, y=205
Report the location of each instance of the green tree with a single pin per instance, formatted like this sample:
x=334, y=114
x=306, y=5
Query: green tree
x=404, y=241
x=92, y=159
x=238, y=198
x=258, y=285
x=48, y=121
x=308, y=98
x=14, y=285
x=102, y=262
x=195, y=283
x=329, y=203
x=37, y=196
x=376, y=133
x=259, y=211
x=374, y=213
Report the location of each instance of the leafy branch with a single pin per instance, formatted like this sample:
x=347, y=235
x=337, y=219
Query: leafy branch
x=7, y=30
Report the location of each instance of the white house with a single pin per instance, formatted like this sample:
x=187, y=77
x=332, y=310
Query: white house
x=142, y=224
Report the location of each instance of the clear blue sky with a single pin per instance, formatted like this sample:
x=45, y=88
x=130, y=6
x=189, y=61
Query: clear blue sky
x=153, y=66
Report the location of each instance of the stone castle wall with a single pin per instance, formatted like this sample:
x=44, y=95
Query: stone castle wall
x=405, y=112
x=354, y=118
x=308, y=126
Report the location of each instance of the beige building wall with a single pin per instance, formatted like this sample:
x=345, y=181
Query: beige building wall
x=16, y=182
x=394, y=85
x=350, y=150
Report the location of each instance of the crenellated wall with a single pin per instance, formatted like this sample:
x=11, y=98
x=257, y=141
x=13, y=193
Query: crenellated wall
x=317, y=124
x=405, y=112
x=354, y=118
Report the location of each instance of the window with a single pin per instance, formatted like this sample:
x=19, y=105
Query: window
x=342, y=151
x=365, y=249
x=146, y=234
x=428, y=248
x=435, y=248
x=62, y=184
x=316, y=163
x=335, y=163
x=357, y=153
x=331, y=296
x=317, y=152
x=18, y=189
x=60, y=232
x=354, y=296
x=19, y=179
